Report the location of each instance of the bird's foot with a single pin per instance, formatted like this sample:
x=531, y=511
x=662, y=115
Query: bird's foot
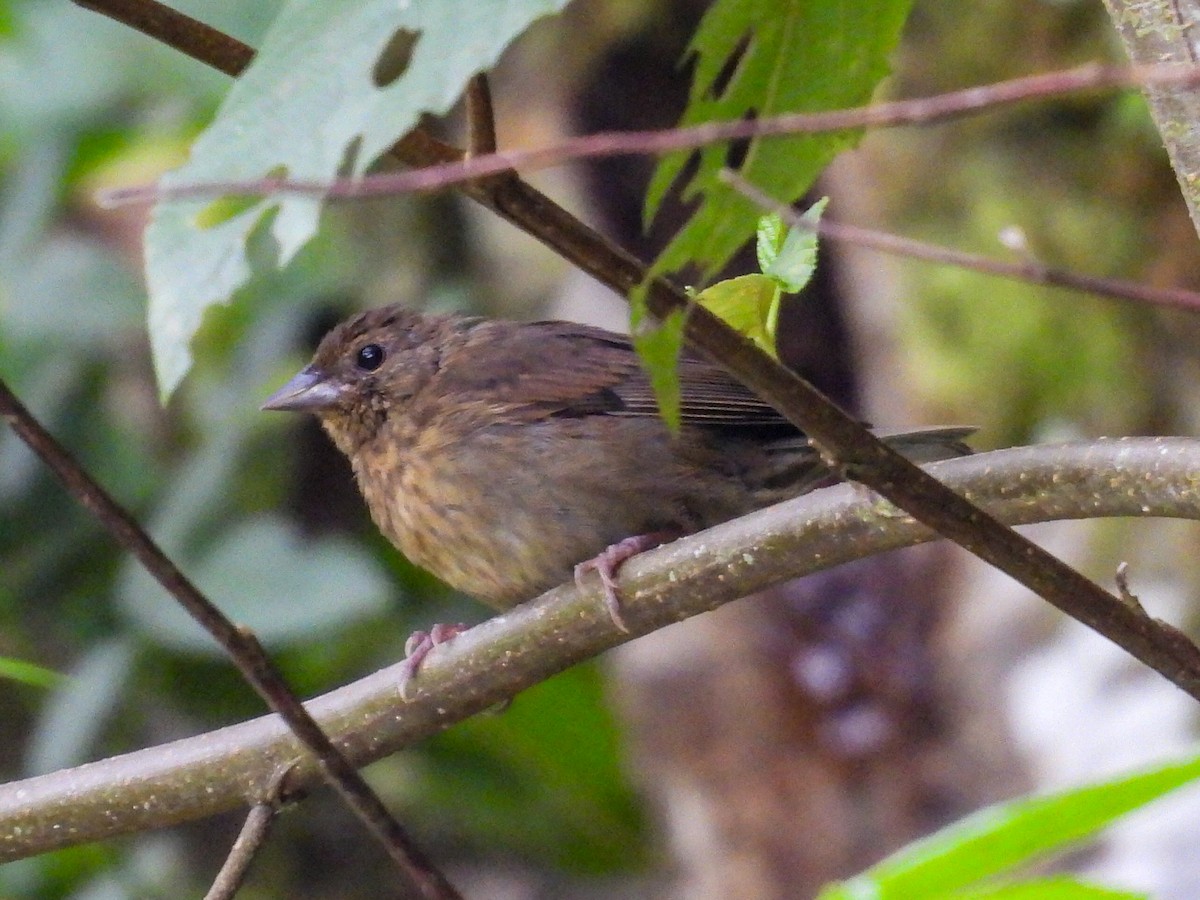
x=607, y=561
x=417, y=647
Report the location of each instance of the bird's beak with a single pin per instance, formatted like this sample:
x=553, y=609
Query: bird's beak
x=309, y=391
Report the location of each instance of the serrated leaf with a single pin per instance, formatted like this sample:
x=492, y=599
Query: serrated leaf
x=748, y=304
x=659, y=344
x=796, y=56
x=995, y=840
x=794, y=264
x=309, y=106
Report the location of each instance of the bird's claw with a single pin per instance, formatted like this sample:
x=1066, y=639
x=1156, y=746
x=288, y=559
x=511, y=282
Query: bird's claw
x=607, y=561
x=417, y=647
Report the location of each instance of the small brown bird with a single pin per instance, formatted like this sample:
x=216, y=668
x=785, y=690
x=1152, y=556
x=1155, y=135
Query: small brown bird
x=505, y=456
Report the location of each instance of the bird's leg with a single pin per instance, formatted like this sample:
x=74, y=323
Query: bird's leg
x=417, y=647
x=607, y=561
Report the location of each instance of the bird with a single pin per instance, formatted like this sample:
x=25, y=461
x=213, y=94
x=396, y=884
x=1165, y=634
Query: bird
x=509, y=457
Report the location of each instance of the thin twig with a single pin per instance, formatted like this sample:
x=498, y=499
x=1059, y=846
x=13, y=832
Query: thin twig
x=250, y=839
x=178, y=31
x=921, y=110
x=237, y=864
x=481, y=133
x=155, y=786
x=1030, y=272
x=240, y=644
x=1127, y=596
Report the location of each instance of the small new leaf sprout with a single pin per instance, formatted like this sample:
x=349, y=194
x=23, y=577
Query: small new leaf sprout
x=787, y=257
x=793, y=265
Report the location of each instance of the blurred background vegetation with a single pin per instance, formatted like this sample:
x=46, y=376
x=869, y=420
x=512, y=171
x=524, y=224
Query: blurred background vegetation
x=542, y=800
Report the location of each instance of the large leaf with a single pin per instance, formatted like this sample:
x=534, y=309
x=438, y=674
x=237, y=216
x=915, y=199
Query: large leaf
x=309, y=107
x=993, y=841
x=795, y=56
x=265, y=576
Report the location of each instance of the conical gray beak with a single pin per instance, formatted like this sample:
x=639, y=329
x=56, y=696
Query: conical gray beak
x=309, y=391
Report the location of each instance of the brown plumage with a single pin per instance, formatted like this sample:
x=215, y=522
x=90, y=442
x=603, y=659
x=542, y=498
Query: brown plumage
x=499, y=455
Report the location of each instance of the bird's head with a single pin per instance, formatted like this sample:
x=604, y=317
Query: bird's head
x=363, y=369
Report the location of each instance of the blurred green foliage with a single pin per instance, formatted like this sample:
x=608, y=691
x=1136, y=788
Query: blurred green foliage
x=1078, y=182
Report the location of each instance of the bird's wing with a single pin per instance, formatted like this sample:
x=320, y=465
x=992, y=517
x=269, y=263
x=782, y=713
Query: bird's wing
x=567, y=369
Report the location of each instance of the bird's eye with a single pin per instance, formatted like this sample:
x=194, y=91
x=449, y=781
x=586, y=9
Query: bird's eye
x=369, y=357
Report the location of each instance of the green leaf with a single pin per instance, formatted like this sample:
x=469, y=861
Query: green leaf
x=1061, y=887
x=796, y=260
x=659, y=344
x=748, y=304
x=796, y=56
x=771, y=232
x=309, y=106
x=993, y=841
x=23, y=672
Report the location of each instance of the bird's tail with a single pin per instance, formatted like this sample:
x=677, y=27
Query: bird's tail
x=798, y=468
x=930, y=444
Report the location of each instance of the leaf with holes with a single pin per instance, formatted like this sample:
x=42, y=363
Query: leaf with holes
x=764, y=58
x=332, y=88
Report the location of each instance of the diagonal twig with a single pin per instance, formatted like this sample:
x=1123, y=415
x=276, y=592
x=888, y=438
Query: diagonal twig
x=250, y=839
x=240, y=644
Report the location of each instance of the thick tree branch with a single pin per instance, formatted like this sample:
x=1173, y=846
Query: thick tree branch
x=513, y=651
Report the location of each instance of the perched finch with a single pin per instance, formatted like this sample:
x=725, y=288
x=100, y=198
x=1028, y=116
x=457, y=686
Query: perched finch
x=505, y=456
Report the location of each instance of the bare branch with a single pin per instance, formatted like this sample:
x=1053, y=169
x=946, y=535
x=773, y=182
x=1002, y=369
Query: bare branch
x=923, y=110
x=1029, y=271
x=249, y=840
x=481, y=118
x=494, y=661
x=178, y=31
